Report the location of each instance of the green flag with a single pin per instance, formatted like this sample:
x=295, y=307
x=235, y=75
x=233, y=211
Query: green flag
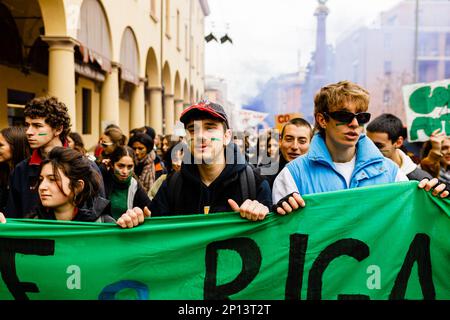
x=384, y=242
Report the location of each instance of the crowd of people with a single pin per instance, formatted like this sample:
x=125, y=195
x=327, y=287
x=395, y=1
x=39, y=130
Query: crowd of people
x=47, y=173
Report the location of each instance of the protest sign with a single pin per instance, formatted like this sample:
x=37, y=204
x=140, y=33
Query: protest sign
x=426, y=106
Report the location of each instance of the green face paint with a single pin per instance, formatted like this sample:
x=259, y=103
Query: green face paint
x=42, y=134
x=117, y=172
x=215, y=139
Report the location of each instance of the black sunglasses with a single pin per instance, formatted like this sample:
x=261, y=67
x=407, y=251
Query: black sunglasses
x=347, y=117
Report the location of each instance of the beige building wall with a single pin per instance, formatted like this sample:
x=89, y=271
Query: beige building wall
x=168, y=33
x=83, y=83
x=13, y=79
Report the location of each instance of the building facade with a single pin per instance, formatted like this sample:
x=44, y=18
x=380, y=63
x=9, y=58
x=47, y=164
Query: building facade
x=128, y=62
x=384, y=57
x=216, y=90
x=279, y=95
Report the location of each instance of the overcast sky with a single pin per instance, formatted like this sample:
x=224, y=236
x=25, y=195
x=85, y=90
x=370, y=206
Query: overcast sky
x=268, y=36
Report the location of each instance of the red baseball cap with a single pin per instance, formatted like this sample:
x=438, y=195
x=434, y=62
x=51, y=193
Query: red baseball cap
x=214, y=110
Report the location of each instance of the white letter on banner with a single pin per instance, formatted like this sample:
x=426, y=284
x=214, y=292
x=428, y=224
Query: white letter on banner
x=74, y=281
x=374, y=281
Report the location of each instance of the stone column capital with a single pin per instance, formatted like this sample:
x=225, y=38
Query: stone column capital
x=61, y=42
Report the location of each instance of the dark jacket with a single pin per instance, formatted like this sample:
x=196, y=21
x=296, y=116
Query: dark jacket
x=135, y=190
x=23, y=197
x=195, y=195
x=3, y=197
x=267, y=168
x=92, y=211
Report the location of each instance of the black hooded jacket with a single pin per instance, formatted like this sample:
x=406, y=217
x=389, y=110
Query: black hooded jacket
x=277, y=166
x=195, y=195
x=97, y=210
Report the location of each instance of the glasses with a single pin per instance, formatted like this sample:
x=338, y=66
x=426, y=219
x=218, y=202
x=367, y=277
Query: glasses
x=347, y=117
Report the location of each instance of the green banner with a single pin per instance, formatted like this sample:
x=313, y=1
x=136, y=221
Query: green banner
x=383, y=242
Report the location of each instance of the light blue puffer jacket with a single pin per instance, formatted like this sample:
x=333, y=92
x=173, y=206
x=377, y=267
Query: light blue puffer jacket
x=315, y=171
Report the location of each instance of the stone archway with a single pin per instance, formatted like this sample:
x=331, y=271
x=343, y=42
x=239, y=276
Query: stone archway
x=23, y=58
x=132, y=97
x=94, y=59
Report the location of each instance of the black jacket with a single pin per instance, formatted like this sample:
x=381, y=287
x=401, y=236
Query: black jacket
x=97, y=210
x=269, y=167
x=195, y=195
x=23, y=197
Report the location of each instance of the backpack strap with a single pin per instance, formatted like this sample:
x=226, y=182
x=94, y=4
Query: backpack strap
x=174, y=184
x=251, y=182
x=248, y=184
x=244, y=184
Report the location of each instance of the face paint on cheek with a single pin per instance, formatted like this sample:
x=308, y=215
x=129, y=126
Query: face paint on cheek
x=341, y=124
x=215, y=139
x=117, y=172
x=42, y=134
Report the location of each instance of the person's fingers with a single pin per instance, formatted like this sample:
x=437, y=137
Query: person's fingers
x=439, y=189
x=281, y=211
x=128, y=221
x=234, y=206
x=253, y=216
x=2, y=218
x=147, y=212
x=257, y=211
x=121, y=223
x=431, y=184
x=299, y=199
x=133, y=216
x=293, y=203
x=445, y=194
x=423, y=183
x=244, y=209
x=286, y=207
x=140, y=215
x=251, y=211
x=263, y=212
x=435, y=132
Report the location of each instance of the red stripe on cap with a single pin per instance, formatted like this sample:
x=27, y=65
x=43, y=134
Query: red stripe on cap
x=202, y=107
